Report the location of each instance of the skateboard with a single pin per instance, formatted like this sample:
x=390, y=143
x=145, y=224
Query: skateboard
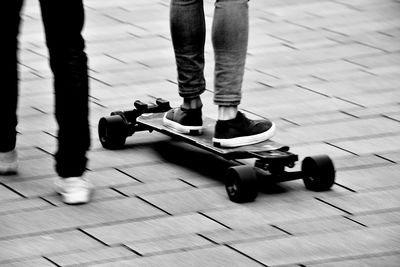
x=242, y=182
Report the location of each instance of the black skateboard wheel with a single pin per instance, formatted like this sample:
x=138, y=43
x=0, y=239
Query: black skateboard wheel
x=113, y=131
x=241, y=184
x=318, y=173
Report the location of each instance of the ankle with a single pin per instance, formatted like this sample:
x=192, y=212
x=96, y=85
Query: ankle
x=227, y=112
x=192, y=103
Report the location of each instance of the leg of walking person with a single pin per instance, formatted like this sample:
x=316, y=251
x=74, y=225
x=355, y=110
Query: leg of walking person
x=63, y=23
x=9, y=87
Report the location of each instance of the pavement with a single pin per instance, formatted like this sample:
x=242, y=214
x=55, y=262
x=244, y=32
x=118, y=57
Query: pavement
x=326, y=71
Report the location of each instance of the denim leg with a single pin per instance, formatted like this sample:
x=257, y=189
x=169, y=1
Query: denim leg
x=63, y=23
x=9, y=75
x=230, y=32
x=188, y=33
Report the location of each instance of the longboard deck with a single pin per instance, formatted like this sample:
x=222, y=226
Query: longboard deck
x=265, y=149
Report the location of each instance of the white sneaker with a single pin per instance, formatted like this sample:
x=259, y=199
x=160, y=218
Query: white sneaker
x=74, y=190
x=8, y=162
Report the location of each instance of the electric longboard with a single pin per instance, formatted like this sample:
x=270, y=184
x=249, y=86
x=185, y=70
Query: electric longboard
x=242, y=181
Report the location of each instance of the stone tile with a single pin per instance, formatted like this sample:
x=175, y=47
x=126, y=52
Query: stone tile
x=318, y=225
x=373, y=26
x=302, y=108
x=31, y=168
x=356, y=86
x=358, y=128
x=75, y=216
x=247, y=216
x=370, y=178
x=318, y=118
x=7, y=194
x=387, y=110
x=393, y=156
x=246, y=234
x=321, y=247
x=387, y=70
x=305, y=57
x=35, y=139
x=154, y=187
x=45, y=244
x=317, y=69
x=359, y=162
x=22, y=205
x=370, y=261
x=119, y=158
x=191, y=200
x=218, y=256
x=33, y=262
x=373, y=61
x=367, y=202
x=160, y=228
x=389, y=97
x=45, y=186
x=31, y=153
x=376, y=145
x=175, y=244
x=379, y=218
x=92, y=256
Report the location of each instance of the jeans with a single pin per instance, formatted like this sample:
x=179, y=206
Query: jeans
x=63, y=23
x=230, y=31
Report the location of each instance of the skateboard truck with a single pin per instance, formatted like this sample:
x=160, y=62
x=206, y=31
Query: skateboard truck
x=114, y=129
x=242, y=182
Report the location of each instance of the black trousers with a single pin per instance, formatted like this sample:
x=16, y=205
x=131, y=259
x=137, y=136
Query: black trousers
x=63, y=22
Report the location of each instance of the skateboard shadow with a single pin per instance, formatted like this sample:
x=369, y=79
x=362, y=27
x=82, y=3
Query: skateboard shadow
x=206, y=163
x=193, y=158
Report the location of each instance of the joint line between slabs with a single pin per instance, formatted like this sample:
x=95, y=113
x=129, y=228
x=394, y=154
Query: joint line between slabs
x=155, y=206
x=245, y=255
x=357, y=222
x=282, y=230
x=214, y=220
x=93, y=237
x=14, y=191
x=336, y=207
x=51, y=261
x=127, y=174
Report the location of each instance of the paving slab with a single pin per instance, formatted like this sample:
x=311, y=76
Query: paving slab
x=160, y=228
x=38, y=245
x=219, y=256
x=322, y=247
x=90, y=256
x=67, y=217
x=370, y=178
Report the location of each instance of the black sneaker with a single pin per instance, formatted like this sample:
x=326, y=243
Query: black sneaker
x=242, y=131
x=186, y=121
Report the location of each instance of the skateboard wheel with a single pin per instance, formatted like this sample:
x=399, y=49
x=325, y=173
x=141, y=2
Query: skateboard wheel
x=241, y=184
x=318, y=173
x=113, y=131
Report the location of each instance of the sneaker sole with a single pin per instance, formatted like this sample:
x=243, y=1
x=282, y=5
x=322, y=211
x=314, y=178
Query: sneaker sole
x=245, y=140
x=76, y=198
x=191, y=130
